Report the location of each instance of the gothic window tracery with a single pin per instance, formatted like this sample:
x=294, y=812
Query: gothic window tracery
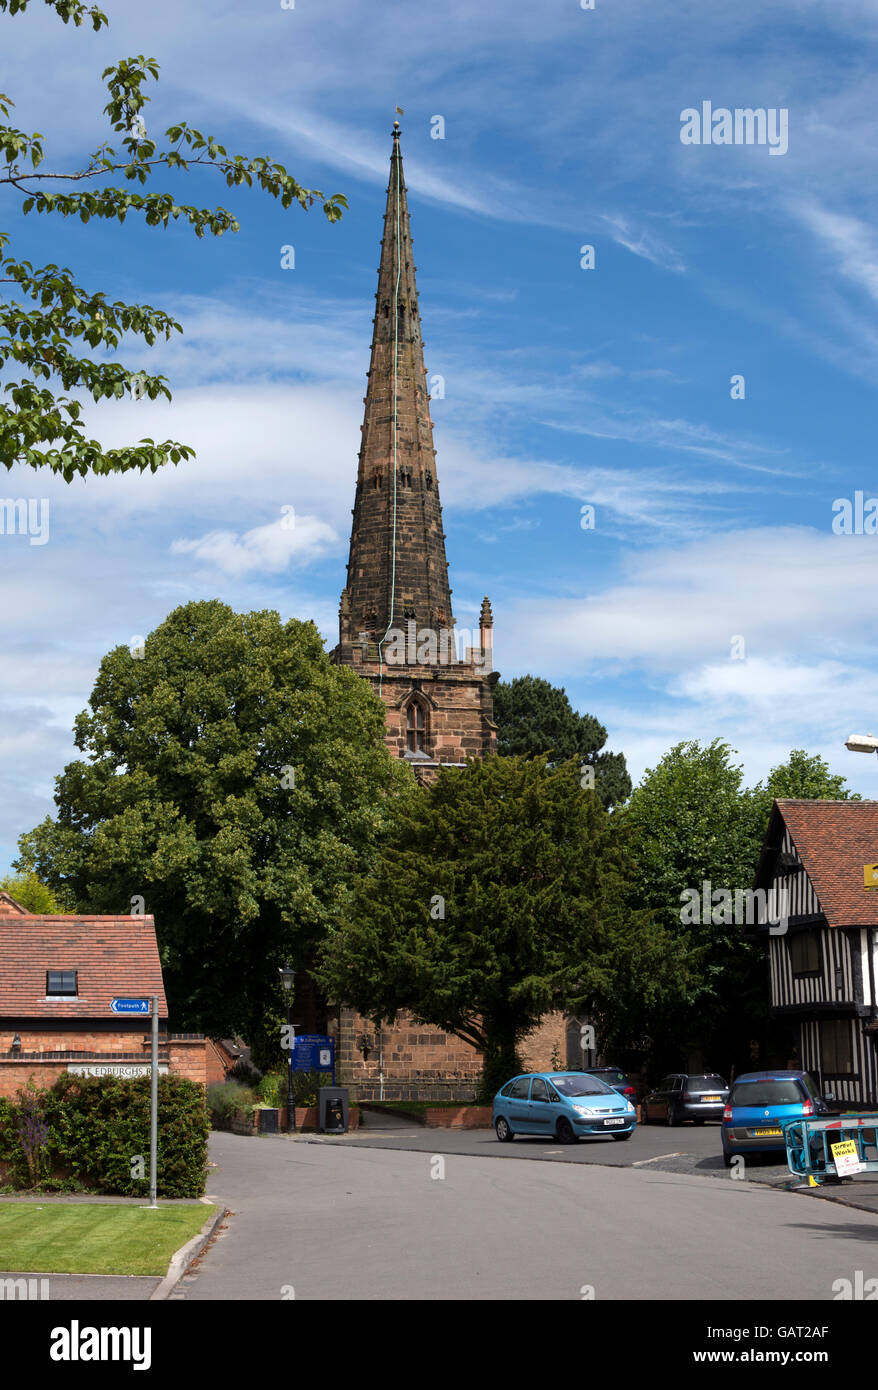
x=415, y=727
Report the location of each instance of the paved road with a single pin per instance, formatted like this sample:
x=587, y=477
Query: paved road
x=339, y=1220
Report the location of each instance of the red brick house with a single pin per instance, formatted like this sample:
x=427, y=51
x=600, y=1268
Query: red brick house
x=58, y=976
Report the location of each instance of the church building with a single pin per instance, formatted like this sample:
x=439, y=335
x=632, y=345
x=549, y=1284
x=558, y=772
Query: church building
x=397, y=630
x=396, y=623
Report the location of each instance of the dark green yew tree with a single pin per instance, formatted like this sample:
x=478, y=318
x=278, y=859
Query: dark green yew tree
x=498, y=894
x=534, y=717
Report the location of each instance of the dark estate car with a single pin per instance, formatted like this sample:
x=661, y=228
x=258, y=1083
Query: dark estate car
x=612, y=1076
x=685, y=1096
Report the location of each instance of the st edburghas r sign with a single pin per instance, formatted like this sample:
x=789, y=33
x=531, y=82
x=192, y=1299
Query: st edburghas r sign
x=125, y=1069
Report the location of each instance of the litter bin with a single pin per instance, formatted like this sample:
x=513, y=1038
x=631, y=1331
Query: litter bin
x=268, y=1121
x=333, y=1109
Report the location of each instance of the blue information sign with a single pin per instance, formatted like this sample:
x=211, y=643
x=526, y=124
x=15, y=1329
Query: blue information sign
x=129, y=1006
x=314, y=1052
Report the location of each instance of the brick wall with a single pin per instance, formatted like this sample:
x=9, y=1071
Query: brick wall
x=188, y=1057
x=421, y=1063
x=47, y=1051
x=217, y=1062
x=550, y=1036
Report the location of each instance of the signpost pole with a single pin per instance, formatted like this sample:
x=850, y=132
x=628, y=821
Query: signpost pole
x=154, y=1104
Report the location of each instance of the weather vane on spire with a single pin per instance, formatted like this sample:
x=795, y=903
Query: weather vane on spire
x=399, y=111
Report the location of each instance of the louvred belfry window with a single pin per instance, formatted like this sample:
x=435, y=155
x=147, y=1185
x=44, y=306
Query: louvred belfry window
x=415, y=728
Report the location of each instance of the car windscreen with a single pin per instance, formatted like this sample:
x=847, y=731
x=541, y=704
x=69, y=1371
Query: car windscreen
x=706, y=1083
x=611, y=1076
x=749, y=1093
x=583, y=1085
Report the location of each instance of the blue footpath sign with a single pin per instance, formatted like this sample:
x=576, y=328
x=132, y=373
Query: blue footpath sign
x=129, y=1006
x=314, y=1052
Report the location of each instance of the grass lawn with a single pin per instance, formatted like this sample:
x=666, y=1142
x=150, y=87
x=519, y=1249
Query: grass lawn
x=94, y=1238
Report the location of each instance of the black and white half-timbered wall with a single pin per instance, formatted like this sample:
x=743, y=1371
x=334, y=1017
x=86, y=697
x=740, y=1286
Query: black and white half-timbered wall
x=823, y=953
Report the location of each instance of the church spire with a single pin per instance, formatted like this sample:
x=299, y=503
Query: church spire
x=397, y=571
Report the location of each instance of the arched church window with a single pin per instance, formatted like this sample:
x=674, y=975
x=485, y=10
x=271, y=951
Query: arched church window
x=415, y=728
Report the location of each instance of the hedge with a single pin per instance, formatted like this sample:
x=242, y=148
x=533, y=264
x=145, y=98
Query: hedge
x=89, y=1132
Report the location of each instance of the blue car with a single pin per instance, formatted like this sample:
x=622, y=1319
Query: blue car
x=561, y=1105
x=758, y=1104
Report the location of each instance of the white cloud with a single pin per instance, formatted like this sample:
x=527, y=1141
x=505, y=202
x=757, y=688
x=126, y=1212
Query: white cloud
x=851, y=241
x=265, y=548
x=644, y=244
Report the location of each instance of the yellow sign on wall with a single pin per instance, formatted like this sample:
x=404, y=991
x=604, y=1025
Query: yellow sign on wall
x=870, y=875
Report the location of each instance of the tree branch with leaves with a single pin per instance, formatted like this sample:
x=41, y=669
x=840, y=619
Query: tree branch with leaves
x=47, y=317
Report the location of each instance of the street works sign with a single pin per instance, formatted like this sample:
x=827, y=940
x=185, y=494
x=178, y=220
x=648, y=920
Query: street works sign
x=129, y=1006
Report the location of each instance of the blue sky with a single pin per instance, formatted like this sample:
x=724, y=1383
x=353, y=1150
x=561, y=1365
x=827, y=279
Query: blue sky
x=563, y=386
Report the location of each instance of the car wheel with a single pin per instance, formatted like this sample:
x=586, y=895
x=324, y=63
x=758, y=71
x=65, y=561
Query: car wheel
x=565, y=1132
x=624, y=1136
x=672, y=1116
x=727, y=1159
x=504, y=1133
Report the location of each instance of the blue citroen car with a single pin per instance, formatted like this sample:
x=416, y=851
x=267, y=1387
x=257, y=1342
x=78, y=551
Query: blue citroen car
x=561, y=1105
x=757, y=1106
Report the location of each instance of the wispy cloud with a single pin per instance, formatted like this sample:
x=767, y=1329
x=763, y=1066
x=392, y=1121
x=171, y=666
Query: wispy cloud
x=645, y=244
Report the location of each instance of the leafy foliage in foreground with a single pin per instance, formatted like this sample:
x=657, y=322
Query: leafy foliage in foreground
x=50, y=318
x=94, y=1126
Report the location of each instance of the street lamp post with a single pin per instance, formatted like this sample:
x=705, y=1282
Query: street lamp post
x=288, y=975
x=862, y=743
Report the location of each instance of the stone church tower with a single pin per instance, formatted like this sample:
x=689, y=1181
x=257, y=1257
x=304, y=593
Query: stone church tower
x=396, y=628
x=396, y=624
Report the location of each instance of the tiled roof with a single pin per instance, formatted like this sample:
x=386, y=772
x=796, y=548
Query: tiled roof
x=115, y=957
x=9, y=907
x=834, y=839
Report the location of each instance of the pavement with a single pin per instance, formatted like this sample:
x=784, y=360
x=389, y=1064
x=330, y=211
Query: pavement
x=687, y=1149
x=411, y=1215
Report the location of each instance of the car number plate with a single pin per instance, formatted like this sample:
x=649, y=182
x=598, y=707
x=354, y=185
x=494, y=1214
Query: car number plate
x=764, y=1133
x=614, y=1122
x=706, y=1099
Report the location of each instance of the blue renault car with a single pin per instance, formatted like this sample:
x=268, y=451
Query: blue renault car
x=758, y=1104
x=561, y=1105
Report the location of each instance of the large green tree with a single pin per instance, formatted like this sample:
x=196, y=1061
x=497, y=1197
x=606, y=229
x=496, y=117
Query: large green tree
x=48, y=317
x=803, y=777
x=499, y=894
x=692, y=821
x=534, y=717
x=234, y=780
x=34, y=896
